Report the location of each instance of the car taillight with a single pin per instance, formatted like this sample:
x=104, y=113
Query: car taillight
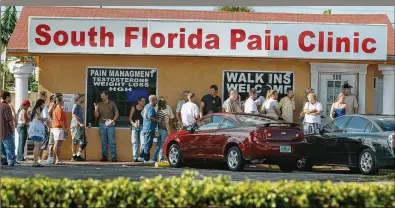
x=257, y=135
x=300, y=136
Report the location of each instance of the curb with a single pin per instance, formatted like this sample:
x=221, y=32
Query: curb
x=162, y=165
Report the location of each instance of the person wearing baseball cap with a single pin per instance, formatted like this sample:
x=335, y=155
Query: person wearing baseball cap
x=77, y=128
x=23, y=121
x=350, y=100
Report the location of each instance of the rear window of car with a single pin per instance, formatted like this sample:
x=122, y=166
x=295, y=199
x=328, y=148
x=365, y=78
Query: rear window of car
x=386, y=124
x=250, y=120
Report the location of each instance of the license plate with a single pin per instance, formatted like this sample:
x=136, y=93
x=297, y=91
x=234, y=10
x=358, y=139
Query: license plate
x=285, y=149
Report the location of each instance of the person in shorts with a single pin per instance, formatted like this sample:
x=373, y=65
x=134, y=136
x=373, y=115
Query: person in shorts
x=37, y=130
x=59, y=128
x=77, y=129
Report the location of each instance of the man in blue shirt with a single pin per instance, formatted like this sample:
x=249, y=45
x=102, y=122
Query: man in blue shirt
x=150, y=123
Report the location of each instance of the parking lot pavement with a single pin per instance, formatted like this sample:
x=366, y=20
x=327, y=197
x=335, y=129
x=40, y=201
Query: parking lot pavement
x=134, y=171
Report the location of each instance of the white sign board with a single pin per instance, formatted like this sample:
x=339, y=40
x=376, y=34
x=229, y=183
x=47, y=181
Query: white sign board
x=68, y=102
x=207, y=38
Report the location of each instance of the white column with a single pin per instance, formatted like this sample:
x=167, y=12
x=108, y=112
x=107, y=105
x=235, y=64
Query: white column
x=362, y=92
x=388, y=72
x=314, y=80
x=21, y=71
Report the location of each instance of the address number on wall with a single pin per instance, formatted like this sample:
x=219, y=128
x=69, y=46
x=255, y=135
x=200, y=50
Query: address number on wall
x=337, y=77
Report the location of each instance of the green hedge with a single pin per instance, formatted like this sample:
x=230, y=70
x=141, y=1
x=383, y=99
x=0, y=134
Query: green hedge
x=189, y=191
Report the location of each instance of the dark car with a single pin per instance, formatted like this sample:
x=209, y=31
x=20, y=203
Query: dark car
x=363, y=143
x=237, y=139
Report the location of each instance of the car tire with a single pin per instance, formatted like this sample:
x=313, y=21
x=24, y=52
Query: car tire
x=234, y=159
x=304, y=165
x=367, y=162
x=174, y=156
x=287, y=167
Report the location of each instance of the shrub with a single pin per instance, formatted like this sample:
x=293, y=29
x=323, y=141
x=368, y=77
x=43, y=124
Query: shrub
x=190, y=191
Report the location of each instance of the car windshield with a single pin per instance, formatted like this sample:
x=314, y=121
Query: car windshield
x=387, y=124
x=251, y=120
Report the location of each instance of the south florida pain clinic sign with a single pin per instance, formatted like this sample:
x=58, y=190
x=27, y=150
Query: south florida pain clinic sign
x=207, y=38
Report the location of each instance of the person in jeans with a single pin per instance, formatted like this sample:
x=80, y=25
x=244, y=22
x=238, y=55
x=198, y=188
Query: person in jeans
x=149, y=125
x=136, y=121
x=77, y=129
x=23, y=121
x=107, y=113
x=37, y=130
x=44, y=114
x=312, y=111
x=7, y=127
x=164, y=114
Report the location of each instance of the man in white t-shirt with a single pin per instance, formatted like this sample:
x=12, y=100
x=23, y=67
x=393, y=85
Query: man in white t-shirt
x=250, y=106
x=190, y=111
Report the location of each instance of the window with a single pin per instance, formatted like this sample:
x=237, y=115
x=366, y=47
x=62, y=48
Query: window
x=124, y=87
x=227, y=124
x=368, y=127
x=337, y=125
x=357, y=124
x=386, y=124
x=254, y=120
x=374, y=130
x=209, y=123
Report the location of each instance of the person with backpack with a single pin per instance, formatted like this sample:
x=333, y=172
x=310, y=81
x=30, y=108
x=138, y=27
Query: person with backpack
x=107, y=113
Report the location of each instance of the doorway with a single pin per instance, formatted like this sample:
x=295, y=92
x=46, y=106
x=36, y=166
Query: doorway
x=331, y=85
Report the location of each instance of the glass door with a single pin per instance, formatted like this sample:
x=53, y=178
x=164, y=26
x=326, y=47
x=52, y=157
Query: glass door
x=334, y=88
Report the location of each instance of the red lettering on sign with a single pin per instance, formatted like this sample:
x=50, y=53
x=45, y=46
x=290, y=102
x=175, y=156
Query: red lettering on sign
x=129, y=36
x=301, y=41
x=42, y=31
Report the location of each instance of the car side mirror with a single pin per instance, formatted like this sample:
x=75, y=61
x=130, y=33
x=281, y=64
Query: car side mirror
x=191, y=128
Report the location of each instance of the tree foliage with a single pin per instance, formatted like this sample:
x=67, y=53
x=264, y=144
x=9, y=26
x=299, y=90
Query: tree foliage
x=8, y=23
x=328, y=11
x=235, y=8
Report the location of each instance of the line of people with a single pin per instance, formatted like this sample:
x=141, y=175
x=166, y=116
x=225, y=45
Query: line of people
x=44, y=124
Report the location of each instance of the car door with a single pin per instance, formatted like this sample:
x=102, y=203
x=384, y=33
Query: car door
x=351, y=140
x=205, y=132
x=323, y=149
x=218, y=142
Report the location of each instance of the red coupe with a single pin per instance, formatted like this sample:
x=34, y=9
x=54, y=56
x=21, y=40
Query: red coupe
x=237, y=139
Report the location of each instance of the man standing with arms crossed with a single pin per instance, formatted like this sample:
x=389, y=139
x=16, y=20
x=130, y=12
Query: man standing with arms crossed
x=107, y=112
x=350, y=99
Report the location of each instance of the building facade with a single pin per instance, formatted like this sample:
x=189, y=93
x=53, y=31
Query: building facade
x=137, y=52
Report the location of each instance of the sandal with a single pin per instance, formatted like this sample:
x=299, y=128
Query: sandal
x=38, y=165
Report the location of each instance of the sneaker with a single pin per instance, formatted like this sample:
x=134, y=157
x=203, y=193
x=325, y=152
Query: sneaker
x=103, y=159
x=149, y=162
x=79, y=158
x=140, y=159
x=49, y=161
x=114, y=160
x=73, y=159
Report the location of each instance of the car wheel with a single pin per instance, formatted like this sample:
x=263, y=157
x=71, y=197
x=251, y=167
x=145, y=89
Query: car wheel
x=287, y=167
x=234, y=159
x=304, y=165
x=367, y=162
x=174, y=156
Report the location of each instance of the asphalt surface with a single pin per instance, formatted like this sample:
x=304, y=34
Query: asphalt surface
x=100, y=172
